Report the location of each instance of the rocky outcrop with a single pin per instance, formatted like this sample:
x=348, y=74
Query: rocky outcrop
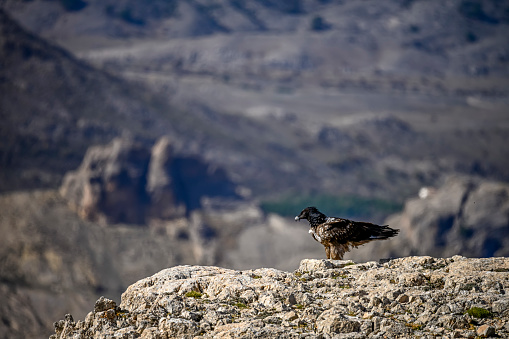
x=402, y=298
x=110, y=183
x=160, y=182
x=126, y=182
x=465, y=215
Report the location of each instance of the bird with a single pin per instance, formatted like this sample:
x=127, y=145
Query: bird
x=339, y=236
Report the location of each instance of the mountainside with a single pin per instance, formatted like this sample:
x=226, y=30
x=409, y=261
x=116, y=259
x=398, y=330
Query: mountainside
x=403, y=298
x=335, y=103
x=465, y=215
x=395, y=41
x=53, y=262
x=53, y=107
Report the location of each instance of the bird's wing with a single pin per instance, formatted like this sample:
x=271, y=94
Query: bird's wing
x=335, y=230
x=342, y=231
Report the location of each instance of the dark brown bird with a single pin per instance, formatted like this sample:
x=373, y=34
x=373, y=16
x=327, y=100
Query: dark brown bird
x=338, y=235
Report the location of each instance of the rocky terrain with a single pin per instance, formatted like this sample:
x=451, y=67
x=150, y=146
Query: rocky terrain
x=413, y=297
x=54, y=107
x=54, y=262
x=137, y=136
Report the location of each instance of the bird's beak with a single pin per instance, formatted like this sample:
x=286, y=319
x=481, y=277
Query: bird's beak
x=297, y=218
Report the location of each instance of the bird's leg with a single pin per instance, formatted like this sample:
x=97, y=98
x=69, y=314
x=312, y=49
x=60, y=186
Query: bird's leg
x=327, y=252
x=334, y=254
x=337, y=251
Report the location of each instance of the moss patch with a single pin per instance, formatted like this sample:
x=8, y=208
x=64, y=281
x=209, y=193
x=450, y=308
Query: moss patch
x=478, y=312
x=193, y=294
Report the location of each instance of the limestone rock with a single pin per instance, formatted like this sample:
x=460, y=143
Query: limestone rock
x=486, y=331
x=104, y=304
x=328, y=299
x=333, y=321
x=317, y=264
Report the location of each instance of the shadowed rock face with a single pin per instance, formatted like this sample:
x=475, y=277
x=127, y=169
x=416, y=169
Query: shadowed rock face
x=463, y=216
x=109, y=186
x=403, y=298
x=126, y=182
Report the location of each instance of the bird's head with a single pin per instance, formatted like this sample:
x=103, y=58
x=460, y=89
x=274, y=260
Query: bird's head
x=313, y=215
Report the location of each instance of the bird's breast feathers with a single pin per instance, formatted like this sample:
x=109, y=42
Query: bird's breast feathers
x=315, y=235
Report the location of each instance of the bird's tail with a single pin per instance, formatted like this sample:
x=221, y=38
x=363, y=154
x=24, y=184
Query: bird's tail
x=383, y=232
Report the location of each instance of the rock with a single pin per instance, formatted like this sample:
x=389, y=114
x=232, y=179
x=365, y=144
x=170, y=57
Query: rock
x=333, y=300
x=393, y=294
x=403, y=298
x=176, y=327
x=291, y=299
x=332, y=321
x=104, y=304
x=501, y=306
x=109, y=185
x=290, y=316
x=126, y=182
x=317, y=264
x=486, y=331
x=413, y=279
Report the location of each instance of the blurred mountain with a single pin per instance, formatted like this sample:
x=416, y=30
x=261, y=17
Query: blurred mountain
x=340, y=94
x=53, y=107
x=125, y=182
x=411, y=46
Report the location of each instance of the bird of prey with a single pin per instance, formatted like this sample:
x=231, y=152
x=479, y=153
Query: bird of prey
x=338, y=235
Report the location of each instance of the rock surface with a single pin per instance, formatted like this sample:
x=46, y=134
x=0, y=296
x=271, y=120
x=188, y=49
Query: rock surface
x=401, y=298
x=126, y=182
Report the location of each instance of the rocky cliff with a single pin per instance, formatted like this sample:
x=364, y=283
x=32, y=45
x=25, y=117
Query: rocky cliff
x=127, y=182
x=401, y=298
